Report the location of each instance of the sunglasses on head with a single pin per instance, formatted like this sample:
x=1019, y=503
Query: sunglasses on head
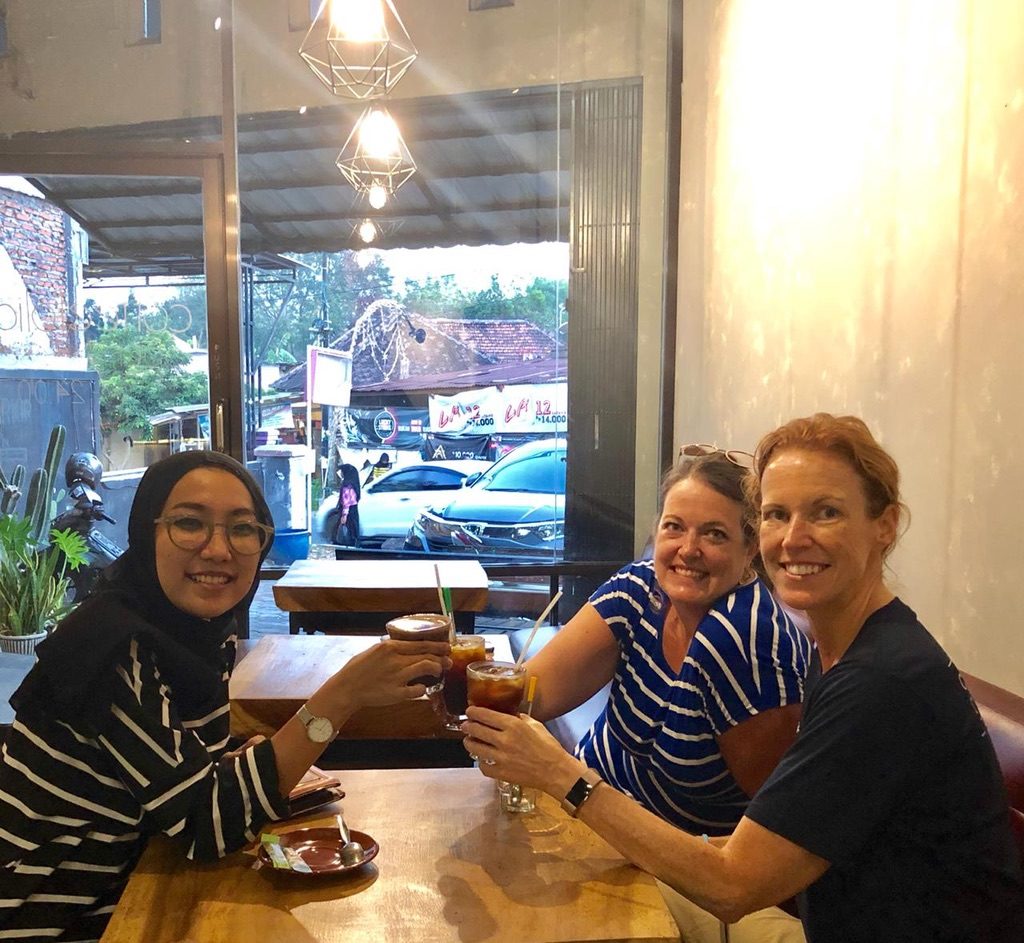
x=736, y=456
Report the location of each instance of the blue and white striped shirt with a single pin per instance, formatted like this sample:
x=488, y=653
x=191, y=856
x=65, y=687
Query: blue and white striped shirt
x=657, y=740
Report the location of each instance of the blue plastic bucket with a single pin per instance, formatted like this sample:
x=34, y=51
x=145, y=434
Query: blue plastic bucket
x=288, y=546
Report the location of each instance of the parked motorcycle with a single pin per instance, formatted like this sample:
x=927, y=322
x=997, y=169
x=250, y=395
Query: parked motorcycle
x=83, y=473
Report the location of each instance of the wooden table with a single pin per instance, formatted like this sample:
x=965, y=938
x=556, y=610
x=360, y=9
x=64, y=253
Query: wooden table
x=451, y=867
x=280, y=672
x=317, y=593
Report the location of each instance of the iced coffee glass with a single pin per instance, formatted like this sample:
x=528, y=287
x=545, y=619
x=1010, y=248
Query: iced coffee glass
x=501, y=686
x=465, y=650
x=422, y=627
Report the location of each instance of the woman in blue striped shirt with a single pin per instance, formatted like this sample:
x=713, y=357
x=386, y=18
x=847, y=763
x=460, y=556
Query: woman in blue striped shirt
x=706, y=668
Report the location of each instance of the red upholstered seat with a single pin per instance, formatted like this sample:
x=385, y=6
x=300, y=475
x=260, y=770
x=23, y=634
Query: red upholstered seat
x=1003, y=714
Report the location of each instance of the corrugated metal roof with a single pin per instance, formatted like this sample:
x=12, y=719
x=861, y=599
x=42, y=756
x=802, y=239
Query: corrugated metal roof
x=492, y=170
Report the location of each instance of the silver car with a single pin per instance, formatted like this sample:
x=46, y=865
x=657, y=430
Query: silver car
x=388, y=505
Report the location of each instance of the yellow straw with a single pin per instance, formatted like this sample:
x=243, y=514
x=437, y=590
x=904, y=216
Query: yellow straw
x=536, y=625
x=444, y=608
x=530, y=692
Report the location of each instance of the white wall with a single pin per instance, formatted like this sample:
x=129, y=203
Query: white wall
x=852, y=240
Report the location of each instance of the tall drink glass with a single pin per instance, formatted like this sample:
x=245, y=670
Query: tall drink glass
x=501, y=686
x=422, y=627
x=466, y=650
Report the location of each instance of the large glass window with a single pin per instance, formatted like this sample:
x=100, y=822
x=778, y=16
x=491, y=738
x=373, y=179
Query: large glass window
x=503, y=294
x=112, y=346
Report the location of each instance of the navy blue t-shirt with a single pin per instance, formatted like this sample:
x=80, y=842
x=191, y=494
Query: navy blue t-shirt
x=894, y=781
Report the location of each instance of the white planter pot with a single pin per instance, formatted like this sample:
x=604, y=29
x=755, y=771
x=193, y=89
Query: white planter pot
x=21, y=644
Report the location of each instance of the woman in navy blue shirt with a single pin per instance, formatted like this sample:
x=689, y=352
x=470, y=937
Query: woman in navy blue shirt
x=888, y=814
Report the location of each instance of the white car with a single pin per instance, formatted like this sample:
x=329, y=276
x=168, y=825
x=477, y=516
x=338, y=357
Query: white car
x=388, y=505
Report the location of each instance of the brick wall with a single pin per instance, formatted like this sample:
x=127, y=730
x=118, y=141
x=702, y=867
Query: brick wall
x=34, y=234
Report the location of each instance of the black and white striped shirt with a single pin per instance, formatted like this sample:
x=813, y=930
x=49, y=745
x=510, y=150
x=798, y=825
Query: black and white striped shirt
x=78, y=801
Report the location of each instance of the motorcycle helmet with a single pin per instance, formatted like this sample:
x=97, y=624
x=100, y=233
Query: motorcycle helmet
x=83, y=467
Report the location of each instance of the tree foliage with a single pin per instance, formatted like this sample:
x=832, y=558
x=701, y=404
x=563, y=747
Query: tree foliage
x=331, y=291
x=333, y=288
x=141, y=373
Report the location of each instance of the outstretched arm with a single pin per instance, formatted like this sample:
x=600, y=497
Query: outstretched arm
x=574, y=665
x=752, y=869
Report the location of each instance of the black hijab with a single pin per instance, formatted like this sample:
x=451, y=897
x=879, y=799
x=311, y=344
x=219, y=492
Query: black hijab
x=128, y=601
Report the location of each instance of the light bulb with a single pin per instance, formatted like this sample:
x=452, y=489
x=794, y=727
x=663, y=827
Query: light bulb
x=367, y=231
x=378, y=135
x=358, y=21
x=377, y=196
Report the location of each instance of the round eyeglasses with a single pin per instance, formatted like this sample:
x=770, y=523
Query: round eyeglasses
x=736, y=456
x=189, y=532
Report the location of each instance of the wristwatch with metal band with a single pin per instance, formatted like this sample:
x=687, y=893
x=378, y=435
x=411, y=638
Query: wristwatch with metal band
x=318, y=729
x=580, y=792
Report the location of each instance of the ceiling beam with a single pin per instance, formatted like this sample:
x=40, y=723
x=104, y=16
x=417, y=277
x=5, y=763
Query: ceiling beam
x=353, y=215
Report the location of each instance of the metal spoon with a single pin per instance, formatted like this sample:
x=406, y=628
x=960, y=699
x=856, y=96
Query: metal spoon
x=351, y=851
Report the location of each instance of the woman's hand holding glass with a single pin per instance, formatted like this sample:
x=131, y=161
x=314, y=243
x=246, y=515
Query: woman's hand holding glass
x=382, y=674
x=519, y=749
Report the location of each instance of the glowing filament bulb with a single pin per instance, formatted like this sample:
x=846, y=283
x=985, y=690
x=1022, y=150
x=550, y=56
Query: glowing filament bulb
x=358, y=21
x=377, y=196
x=378, y=135
x=367, y=231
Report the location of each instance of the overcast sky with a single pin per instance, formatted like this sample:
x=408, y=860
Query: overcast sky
x=515, y=265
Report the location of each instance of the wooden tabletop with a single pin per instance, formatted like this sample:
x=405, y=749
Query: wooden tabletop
x=280, y=672
x=451, y=867
x=379, y=586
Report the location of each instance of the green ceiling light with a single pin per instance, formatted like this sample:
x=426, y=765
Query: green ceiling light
x=358, y=48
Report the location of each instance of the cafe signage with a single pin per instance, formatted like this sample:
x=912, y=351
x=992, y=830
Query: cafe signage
x=533, y=407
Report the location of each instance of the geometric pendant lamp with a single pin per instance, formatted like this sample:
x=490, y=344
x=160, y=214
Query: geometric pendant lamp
x=358, y=48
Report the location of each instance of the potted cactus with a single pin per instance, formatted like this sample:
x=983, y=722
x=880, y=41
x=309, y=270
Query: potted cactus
x=33, y=559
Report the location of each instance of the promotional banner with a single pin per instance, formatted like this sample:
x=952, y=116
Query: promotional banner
x=439, y=447
x=527, y=407
x=394, y=427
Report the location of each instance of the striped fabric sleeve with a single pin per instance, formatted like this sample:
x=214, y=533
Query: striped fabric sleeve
x=746, y=658
x=623, y=599
x=214, y=806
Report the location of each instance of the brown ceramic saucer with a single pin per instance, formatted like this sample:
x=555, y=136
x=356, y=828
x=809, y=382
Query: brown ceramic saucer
x=320, y=848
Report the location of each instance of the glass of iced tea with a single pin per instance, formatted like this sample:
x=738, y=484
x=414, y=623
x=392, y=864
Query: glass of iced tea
x=466, y=650
x=422, y=627
x=501, y=686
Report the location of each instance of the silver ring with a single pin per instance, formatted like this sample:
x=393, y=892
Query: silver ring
x=473, y=756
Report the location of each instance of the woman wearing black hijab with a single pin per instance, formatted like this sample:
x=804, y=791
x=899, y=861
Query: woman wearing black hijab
x=122, y=727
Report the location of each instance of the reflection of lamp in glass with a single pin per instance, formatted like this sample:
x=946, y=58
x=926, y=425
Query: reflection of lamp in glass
x=375, y=160
x=368, y=230
x=358, y=48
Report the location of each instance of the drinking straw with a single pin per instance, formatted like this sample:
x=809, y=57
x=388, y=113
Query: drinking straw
x=536, y=625
x=530, y=692
x=446, y=610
